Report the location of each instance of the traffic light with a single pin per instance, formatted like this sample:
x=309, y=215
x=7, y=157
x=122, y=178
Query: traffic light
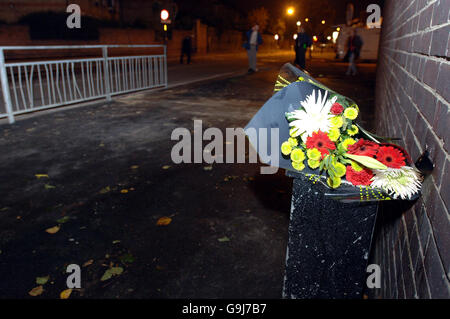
x=164, y=15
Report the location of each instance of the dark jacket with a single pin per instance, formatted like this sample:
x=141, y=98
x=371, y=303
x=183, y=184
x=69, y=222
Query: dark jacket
x=303, y=41
x=355, y=44
x=259, y=40
x=186, y=46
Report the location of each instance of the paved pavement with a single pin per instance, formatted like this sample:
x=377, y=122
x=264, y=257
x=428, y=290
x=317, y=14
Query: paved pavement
x=110, y=179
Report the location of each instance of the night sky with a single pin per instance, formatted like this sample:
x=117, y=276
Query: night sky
x=277, y=8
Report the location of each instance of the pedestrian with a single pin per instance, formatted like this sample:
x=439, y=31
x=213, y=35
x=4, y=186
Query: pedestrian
x=186, y=49
x=355, y=44
x=302, y=43
x=254, y=40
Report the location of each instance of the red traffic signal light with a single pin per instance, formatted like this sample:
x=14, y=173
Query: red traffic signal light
x=164, y=15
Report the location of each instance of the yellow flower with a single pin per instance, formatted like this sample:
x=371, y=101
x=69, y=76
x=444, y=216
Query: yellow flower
x=356, y=167
x=340, y=169
x=297, y=155
x=314, y=154
x=336, y=122
x=334, y=134
x=334, y=182
x=347, y=142
x=286, y=148
x=293, y=141
x=351, y=113
x=353, y=130
x=313, y=164
x=298, y=166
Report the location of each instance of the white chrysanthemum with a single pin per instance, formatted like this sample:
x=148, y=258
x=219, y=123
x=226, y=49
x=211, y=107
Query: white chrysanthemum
x=402, y=182
x=315, y=115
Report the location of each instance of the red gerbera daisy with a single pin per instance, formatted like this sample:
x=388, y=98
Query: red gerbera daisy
x=364, y=148
x=321, y=141
x=359, y=178
x=391, y=157
x=337, y=109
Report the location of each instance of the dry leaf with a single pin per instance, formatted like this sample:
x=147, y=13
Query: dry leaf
x=37, y=291
x=164, y=221
x=42, y=280
x=166, y=167
x=105, y=190
x=53, y=230
x=208, y=168
x=124, y=191
x=88, y=263
x=223, y=239
x=134, y=167
x=48, y=186
x=65, y=294
x=109, y=273
x=41, y=176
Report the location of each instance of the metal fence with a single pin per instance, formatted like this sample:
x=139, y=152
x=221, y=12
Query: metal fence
x=39, y=85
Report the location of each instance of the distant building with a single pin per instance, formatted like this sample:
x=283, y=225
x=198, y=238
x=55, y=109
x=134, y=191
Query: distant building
x=145, y=13
x=13, y=11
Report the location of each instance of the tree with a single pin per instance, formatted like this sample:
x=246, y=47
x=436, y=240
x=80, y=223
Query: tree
x=279, y=27
x=259, y=16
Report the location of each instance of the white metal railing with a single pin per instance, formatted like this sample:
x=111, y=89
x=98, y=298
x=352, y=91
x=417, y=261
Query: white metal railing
x=38, y=85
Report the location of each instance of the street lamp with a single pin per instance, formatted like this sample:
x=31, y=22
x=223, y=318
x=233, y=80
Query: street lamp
x=307, y=19
x=295, y=36
x=299, y=23
x=277, y=37
x=290, y=11
x=323, y=21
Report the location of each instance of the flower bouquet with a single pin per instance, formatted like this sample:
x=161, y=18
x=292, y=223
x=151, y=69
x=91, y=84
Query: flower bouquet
x=321, y=138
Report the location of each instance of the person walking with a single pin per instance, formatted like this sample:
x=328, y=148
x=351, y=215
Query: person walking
x=186, y=49
x=302, y=43
x=254, y=40
x=355, y=44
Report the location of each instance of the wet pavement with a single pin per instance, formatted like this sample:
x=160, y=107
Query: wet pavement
x=103, y=174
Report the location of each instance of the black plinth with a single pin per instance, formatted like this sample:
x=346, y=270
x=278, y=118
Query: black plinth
x=329, y=243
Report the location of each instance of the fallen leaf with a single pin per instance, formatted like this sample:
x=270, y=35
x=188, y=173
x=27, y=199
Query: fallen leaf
x=116, y=241
x=105, y=190
x=102, y=145
x=109, y=273
x=63, y=220
x=4, y=209
x=53, y=230
x=164, y=221
x=166, y=167
x=37, y=291
x=42, y=280
x=88, y=263
x=48, y=186
x=39, y=176
x=127, y=258
x=124, y=191
x=65, y=294
x=223, y=239
x=134, y=167
x=208, y=168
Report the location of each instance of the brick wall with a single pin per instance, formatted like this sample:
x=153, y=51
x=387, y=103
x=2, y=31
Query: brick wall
x=412, y=241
